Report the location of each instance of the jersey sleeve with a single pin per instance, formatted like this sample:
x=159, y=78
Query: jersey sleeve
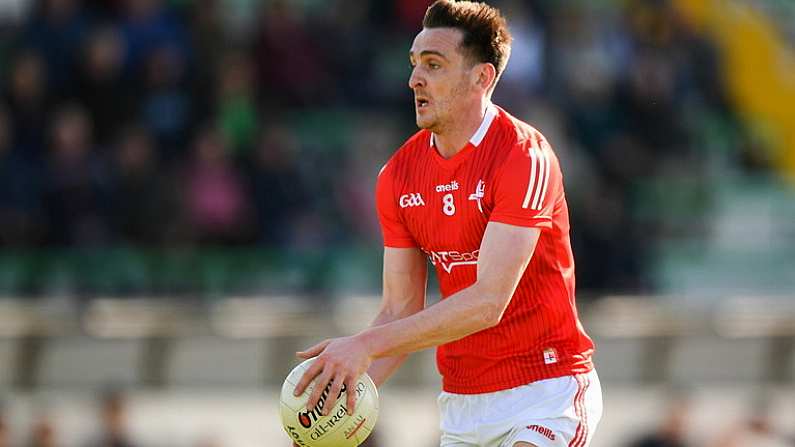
x=529, y=186
x=393, y=229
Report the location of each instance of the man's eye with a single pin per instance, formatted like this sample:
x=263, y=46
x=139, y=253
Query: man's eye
x=434, y=65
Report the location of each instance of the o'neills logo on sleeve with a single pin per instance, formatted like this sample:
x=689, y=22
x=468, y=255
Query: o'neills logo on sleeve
x=451, y=259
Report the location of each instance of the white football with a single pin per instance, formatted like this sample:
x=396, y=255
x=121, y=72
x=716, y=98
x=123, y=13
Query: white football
x=338, y=429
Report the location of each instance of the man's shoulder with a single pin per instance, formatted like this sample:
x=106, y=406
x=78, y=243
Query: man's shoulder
x=520, y=138
x=413, y=148
x=420, y=141
x=517, y=131
x=405, y=157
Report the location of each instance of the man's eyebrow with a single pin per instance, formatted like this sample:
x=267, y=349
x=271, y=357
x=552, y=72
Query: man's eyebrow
x=428, y=53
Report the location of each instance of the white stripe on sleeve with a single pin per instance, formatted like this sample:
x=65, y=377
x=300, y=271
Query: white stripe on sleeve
x=542, y=179
x=532, y=180
x=546, y=182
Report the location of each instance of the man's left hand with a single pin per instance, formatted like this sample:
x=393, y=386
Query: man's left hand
x=339, y=361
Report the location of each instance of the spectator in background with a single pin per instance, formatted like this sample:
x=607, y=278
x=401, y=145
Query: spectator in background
x=166, y=106
x=218, y=207
x=149, y=25
x=348, y=33
x=277, y=187
x=524, y=75
x=237, y=113
x=672, y=431
x=648, y=94
x=28, y=102
x=609, y=72
x=757, y=430
x=365, y=156
x=143, y=202
x=290, y=71
x=100, y=85
x=584, y=69
x=113, y=418
x=19, y=192
x=56, y=31
x=76, y=190
x=208, y=39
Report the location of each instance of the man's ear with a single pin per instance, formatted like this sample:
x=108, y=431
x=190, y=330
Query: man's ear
x=486, y=74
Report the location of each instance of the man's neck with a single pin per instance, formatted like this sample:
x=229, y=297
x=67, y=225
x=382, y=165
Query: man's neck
x=452, y=140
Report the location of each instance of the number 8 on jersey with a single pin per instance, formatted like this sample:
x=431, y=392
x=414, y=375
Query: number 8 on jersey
x=448, y=204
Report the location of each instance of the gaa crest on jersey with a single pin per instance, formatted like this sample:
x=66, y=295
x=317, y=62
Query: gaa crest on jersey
x=411, y=199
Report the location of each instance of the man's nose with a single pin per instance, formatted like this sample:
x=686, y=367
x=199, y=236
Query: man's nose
x=415, y=80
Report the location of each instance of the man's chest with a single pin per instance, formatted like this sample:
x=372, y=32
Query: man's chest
x=447, y=209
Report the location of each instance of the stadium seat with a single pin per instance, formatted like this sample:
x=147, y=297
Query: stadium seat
x=209, y=360
x=619, y=359
x=7, y=362
x=713, y=358
x=86, y=362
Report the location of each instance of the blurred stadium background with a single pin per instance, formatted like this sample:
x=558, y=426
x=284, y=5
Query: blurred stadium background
x=186, y=198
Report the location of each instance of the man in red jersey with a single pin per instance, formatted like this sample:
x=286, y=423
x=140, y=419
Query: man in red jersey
x=480, y=194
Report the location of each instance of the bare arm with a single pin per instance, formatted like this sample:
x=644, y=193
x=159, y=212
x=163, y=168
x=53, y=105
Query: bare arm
x=405, y=279
x=504, y=254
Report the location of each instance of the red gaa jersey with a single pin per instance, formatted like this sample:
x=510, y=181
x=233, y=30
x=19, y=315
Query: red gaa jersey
x=506, y=173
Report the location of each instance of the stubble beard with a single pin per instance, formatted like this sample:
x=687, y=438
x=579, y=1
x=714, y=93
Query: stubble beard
x=439, y=117
x=433, y=124
x=425, y=122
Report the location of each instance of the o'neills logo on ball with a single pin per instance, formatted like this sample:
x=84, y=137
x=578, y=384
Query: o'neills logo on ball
x=307, y=418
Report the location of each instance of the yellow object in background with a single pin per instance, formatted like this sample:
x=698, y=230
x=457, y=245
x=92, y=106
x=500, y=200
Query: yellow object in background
x=760, y=71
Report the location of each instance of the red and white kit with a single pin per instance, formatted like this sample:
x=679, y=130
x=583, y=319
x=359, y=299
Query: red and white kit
x=507, y=173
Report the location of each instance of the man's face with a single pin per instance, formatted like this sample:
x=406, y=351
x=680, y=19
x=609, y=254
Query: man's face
x=439, y=78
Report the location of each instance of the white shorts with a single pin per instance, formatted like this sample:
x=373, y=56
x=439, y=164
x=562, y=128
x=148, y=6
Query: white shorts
x=559, y=412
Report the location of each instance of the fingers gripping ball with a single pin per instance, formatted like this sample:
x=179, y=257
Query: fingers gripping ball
x=309, y=428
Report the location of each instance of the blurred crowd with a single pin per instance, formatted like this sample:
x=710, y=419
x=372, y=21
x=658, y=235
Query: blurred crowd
x=756, y=428
x=110, y=426
x=175, y=124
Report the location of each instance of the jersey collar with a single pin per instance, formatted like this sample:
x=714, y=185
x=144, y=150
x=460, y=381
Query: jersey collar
x=477, y=138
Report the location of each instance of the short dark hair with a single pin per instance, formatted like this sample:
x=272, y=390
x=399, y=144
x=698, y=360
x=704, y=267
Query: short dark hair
x=486, y=36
